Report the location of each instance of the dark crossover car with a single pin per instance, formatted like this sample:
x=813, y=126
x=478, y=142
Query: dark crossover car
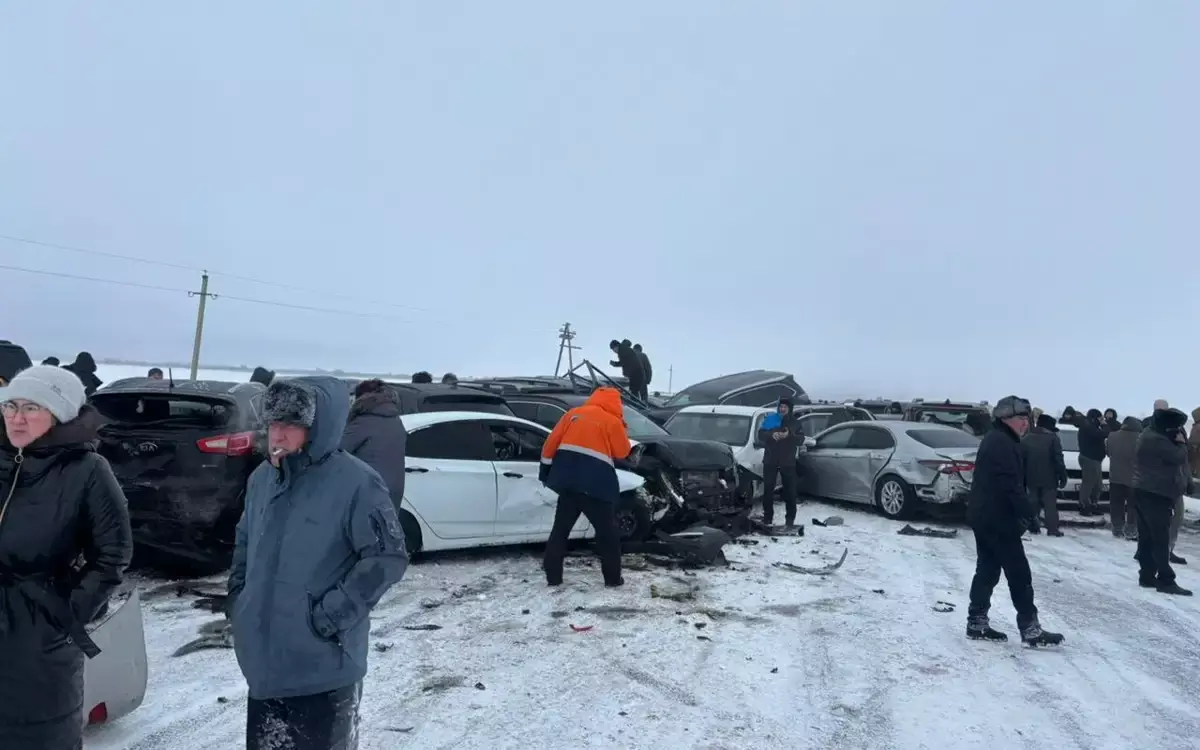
x=182, y=452
x=974, y=418
x=750, y=388
x=422, y=397
x=687, y=481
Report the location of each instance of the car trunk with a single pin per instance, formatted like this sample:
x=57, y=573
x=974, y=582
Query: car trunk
x=180, y=460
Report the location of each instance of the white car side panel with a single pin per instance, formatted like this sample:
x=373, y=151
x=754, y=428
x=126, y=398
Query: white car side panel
x=523, y=504
x=456, y=499
x=117, y=676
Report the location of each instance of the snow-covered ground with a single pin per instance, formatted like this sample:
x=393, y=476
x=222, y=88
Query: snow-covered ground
x=762, y=657
x=109, y=373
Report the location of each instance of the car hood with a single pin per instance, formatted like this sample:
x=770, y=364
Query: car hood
x=689, y=454
x=1071, y=459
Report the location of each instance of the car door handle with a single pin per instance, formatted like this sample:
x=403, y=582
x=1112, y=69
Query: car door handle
x=513, y=475
x=415, y=470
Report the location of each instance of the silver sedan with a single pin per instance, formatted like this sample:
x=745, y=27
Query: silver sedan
x=892, y=465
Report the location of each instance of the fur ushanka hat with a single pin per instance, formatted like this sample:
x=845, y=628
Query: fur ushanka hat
x=289, y=402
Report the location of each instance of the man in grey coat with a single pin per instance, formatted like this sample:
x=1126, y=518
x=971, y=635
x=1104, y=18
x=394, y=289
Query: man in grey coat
x=317, y=546
x=1045, y=470
x=1158, y=480
x=1122, y=445
x=376, y=435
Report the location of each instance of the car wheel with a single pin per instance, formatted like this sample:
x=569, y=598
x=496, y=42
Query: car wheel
x=412, y=534
x=633, y=518
x=894, y=498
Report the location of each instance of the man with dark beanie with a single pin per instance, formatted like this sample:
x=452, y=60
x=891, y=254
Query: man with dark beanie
x=1160, y=475
x=999, y=511
x=1045, y=469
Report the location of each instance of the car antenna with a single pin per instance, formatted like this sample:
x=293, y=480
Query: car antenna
x=170, y=379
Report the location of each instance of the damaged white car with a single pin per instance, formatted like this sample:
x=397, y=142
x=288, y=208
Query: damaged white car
x=471, y=480
x=114, y=682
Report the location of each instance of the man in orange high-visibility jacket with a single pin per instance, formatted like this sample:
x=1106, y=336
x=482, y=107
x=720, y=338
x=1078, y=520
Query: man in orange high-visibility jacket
x=577, y=463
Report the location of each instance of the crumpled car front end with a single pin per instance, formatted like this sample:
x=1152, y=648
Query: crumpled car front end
x=688, y=480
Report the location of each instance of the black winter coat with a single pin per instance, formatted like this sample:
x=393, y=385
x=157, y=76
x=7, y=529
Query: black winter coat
x=646, y=368
x=64, y=544
x=376, y=435
x=781, y=452
x=998, y=503
x=1091, y=439
x=1042, y=453
x=631, y=366
x=84, y=368
x=1160, y=466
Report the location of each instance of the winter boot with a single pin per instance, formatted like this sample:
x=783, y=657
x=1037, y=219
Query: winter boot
x=1147, y=581
x=1177, y=560
x=1173, y=588
x=978, y=629
x=1033, y=635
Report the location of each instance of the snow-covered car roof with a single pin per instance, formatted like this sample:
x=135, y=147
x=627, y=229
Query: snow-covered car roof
x=427, y=418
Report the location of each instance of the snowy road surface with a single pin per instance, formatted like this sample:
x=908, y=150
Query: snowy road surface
x=761, y=658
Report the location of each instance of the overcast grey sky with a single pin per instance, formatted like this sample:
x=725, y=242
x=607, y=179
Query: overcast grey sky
x=918, y=198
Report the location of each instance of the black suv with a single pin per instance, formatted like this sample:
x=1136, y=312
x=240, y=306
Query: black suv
x=687, y=480
x=750, y=388
x=973, y=418
x=422, y=397
x=182, y=453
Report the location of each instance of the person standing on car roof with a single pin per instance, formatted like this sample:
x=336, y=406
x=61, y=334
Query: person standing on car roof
x=781, y=438
x=376, y=435
x=318, y=544
x=647, y=370
x=1045, y=469
x=1122, y=446
x=999, y=512
x=65, y=542
x=1160, y=479
x=1091, y=461
x=578, y=464
x=630, y=364
x=84, y=368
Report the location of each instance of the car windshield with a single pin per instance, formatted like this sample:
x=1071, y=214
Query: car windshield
x=684, y=398
x=1070, y=440
x=639, y=426
x=938, y=439
x=731, y=429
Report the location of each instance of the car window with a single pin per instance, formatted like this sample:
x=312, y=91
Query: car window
x=1068, y=438
x=463, y=441
x=525, y=409
x=871, y=438
x=513, y=442
x=766, y=395
x=731, y=429
x=835, y=439
x=549, y=415
x=937, y=439
x=811, y=424
x=638, y=425
x=465, y=403
x=687, y=397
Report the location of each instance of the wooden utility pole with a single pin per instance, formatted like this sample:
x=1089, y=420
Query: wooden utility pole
x=203, y=295
x=670, y=379
x=565, y=337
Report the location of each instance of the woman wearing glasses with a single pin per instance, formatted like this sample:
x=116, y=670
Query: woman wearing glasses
x=64, y=544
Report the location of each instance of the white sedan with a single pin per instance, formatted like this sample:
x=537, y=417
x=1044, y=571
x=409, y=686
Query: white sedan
x=114, y=683
x=471, y=480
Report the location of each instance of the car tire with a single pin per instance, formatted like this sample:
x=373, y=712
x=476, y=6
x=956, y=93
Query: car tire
x=894, y=498
x=632, y=518
x=412, y=534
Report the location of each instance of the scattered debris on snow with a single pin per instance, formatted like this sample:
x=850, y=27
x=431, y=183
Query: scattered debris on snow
x=909, y=530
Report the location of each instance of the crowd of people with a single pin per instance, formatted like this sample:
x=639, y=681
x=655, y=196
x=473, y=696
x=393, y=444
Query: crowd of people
x=1154, y=464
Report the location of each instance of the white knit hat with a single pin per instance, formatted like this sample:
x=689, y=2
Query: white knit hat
x=53, y=388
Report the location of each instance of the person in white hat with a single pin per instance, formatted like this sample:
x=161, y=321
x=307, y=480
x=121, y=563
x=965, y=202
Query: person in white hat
x=59, y=504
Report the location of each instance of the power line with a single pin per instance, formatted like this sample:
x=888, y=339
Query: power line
x=182, y=267
x=251, y=300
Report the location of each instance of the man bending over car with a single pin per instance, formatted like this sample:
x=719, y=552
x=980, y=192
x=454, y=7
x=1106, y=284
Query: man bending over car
x=317, y=546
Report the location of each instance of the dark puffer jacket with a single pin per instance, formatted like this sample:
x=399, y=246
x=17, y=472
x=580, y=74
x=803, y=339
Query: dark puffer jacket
x=84, y=368
x=1122, y=447
x=1091, y=436
x=376, y=435
x=781, y=451
x=998, y=503
x=62, y=501
x=1042, y=453
x=1160, y=462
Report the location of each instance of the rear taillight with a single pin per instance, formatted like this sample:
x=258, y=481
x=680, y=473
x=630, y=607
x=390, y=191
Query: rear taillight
x=948, y=467
x=98, y=714
x=236, y=444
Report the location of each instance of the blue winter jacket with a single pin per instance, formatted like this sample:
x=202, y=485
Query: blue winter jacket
x=317, y=546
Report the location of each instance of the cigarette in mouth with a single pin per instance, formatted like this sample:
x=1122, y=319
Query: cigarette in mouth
x=277, y=451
